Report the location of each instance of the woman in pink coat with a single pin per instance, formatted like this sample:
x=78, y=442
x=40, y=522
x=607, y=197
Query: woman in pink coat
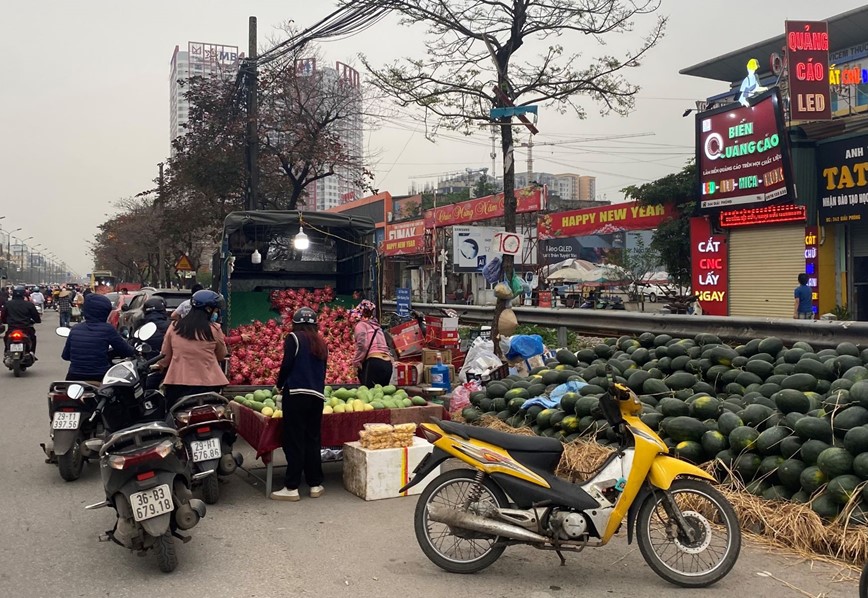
x=194, y=348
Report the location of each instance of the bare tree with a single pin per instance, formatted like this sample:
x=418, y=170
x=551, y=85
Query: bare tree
x=471, y=67
x=631, y=267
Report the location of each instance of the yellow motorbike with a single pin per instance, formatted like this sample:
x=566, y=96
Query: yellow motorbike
x=687, y=532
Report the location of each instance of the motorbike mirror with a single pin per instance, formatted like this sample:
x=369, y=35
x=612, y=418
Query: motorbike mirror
x=62, y=331
x=145, y=349
x=75, y=391
x=93, y=445
x=146, y=331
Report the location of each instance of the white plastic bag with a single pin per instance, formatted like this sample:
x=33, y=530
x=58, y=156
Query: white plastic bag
x=481, y=358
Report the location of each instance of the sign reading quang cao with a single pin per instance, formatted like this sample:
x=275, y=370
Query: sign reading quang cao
x=743, y=155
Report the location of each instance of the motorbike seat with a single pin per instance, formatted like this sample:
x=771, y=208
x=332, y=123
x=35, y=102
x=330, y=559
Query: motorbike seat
x=510, y=442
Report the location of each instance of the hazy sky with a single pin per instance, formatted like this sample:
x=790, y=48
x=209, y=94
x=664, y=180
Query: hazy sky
x=84, y=102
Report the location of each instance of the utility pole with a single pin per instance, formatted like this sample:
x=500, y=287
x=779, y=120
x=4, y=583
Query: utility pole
x=251, y=76
x=529, y=159
x=161, y=247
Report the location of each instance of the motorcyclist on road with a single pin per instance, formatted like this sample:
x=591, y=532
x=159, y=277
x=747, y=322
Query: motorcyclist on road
x=155, y=311
x=20, y=313
x=37, y=298
x=87, y=346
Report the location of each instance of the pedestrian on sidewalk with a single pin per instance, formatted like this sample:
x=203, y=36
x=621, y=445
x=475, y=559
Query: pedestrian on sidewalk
x=803, y=305
x=301, y=380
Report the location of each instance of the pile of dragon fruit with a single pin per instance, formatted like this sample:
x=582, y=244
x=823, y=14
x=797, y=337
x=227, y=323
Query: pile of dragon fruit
x=256, y=359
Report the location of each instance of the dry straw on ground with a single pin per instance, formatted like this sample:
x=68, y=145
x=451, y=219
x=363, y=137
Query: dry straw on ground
x=778, y=523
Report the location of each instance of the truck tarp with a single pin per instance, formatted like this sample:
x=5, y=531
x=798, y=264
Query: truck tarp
x=237, y=220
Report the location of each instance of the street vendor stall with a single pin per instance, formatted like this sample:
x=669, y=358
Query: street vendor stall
x=263, y=433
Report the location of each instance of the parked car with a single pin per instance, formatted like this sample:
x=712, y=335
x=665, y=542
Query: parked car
x=653, y=292
x=119, y=300
x=132, y=313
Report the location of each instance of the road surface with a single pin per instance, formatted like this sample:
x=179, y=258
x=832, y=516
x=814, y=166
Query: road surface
x=334, y=546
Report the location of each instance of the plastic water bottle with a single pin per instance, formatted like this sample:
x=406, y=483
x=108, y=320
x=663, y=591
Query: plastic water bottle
x=440, y=375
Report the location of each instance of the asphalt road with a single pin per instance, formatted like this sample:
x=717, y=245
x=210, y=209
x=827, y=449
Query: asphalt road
x=337, y=545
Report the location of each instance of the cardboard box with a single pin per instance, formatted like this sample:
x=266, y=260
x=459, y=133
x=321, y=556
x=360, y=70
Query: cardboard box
x=498, y=373
x=429, y=356
x=408, y=338
x=444, y=324
x=408, y=373
x=378, y=474
x=426, y=376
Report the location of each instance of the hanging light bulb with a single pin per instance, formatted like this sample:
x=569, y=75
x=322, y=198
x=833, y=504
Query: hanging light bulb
x=255, y=257
x=301, y=240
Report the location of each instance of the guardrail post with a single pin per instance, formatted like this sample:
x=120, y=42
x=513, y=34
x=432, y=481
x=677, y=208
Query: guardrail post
x=562, y=336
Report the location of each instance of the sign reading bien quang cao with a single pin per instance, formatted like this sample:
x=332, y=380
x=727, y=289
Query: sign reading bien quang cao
x=843, y=180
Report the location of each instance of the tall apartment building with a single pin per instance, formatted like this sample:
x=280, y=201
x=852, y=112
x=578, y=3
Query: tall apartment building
x=587, y=188
x=568, y=186
x=341, y=187
x=200, y=59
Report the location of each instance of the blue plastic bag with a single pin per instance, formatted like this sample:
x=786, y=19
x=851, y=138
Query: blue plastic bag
x=560, y=391
x=493, y=270
x=525, y=345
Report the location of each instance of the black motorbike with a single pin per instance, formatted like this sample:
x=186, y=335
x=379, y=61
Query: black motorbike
x=143, y=462
x=18, y=354
x=205, y=424
x=71, y=425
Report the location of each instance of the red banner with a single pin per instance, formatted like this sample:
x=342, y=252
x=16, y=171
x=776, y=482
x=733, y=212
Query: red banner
x=529, y=199
x=405, y=238
x=603, y=220
x=709, y=264
x=808, y=67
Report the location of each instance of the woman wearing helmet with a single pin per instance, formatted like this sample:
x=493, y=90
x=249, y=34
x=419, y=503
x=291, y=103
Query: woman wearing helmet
x=194, y=347
x=301, y=380
x=373, y=360
x=155, y=312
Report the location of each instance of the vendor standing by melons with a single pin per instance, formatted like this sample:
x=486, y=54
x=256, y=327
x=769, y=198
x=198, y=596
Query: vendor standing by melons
x=373, y=361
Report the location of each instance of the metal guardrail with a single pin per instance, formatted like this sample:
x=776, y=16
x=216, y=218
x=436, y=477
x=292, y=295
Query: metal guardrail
x=820, y=334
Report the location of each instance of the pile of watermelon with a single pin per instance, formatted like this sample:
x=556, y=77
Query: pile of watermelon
x=789, y=423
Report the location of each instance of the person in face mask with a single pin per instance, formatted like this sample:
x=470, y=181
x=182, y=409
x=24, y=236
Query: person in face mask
x=194, y=348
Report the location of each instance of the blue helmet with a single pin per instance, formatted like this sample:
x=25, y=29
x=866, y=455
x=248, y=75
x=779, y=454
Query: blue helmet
x=206, y=299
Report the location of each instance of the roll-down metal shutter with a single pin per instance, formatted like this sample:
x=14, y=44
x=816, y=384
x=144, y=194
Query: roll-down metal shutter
x=764, y=262
x=858, y=239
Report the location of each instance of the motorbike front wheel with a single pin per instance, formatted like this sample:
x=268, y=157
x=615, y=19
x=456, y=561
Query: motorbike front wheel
x=71, y=462
x=670, y=552
x=167, y=558
x=452, y=549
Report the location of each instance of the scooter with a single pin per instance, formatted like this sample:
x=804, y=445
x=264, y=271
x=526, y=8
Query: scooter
x=143, y=464
x=18, y=355
x=71, y=426
x=687, y=532
x=205, y=424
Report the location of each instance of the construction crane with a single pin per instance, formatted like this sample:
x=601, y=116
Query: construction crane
x=529, y=144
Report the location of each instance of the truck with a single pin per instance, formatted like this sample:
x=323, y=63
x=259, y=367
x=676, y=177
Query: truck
x=264, y=250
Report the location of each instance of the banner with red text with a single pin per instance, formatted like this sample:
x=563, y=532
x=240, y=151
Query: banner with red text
x=808, y=58
x=529, y=199
x=404, y=238
x=709, y=264
x=603, y=220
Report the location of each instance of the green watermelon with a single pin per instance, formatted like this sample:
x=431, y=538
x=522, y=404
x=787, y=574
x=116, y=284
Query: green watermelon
x=835, y=461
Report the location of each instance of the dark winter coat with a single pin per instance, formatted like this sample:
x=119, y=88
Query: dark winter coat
x=162, y=322
x=88, y=344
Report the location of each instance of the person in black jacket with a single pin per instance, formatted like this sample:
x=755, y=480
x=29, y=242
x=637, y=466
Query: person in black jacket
x=302, y=381
x=21, y=314
x=87, y=346
x=155, y=311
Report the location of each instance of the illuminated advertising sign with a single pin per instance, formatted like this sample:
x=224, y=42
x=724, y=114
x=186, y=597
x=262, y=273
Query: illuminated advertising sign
x=812, y=265
x=843, y=180
x=709, y=268
x=743, y=155
x=603, y=220
x=405, y=238
x=808, y=58
x=530, y=199
x=777, y=214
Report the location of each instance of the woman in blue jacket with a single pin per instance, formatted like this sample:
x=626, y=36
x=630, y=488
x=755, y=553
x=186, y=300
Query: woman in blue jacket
x=88, y=344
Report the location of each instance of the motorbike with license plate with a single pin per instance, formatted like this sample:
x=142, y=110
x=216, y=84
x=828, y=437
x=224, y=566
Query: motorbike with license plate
x=143, y=464
x=207, y=428
x=71, y=426
x=18, y=354
x=687, y=531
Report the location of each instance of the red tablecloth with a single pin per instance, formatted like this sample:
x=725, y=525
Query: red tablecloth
x=264, y=433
